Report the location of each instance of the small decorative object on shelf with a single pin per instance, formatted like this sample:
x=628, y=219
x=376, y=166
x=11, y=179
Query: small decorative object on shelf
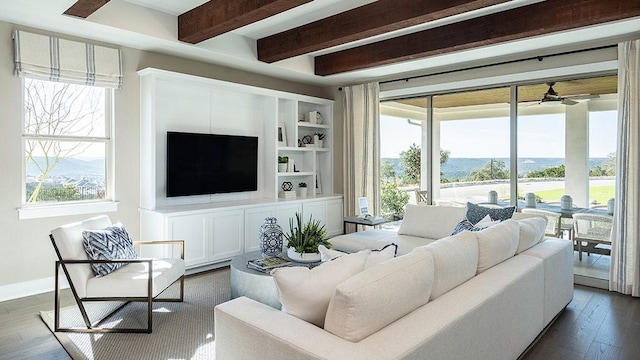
x=318, y=139
x=302, y=188
x=291, y=166
x=492, y=197
x=287, y=190
x=304, y=239
x=270, y=236
x=282, y=163
x=287, y=186
x=566, y=202
x=307, y=140
x=313, y=117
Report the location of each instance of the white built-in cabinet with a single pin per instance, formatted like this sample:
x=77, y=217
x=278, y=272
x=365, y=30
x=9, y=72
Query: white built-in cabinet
x=218, y=227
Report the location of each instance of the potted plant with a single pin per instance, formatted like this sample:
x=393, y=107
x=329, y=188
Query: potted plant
x=302, y=187
x=282, y=163
x=304, y=239
x=318, y=139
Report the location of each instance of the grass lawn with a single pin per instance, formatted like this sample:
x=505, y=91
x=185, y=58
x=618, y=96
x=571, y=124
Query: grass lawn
x=599, y=193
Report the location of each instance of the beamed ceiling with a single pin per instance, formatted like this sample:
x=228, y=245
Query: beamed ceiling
x=345, y=40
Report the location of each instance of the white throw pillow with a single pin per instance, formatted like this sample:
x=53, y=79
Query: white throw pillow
x=531, y=232
x=305, y=293
x=497, y=243
x=380, y=295
x=455, y=261
x=375, y=257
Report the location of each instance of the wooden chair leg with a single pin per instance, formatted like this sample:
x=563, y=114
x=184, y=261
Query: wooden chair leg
x=579, y=250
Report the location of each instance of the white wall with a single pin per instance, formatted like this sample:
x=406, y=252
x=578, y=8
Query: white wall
x=27, y=263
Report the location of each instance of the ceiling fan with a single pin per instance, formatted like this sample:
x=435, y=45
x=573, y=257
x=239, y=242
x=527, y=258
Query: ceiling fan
x=551, y=97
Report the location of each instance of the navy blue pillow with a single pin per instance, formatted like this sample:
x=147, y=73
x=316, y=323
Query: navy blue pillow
x=475, y=213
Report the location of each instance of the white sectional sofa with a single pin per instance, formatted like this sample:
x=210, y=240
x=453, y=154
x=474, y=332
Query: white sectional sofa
x=488, y=295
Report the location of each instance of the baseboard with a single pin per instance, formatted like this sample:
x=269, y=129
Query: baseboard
x=29, y=288
x=591, y=282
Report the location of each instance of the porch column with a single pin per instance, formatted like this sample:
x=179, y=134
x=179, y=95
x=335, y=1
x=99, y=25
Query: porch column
x=577, y=153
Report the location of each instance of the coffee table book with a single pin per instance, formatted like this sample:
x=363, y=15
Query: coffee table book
x=267, y=263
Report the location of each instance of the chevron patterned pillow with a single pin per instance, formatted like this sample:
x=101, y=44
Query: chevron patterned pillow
x=111, y=243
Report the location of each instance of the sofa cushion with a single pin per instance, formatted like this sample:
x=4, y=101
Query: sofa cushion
x=468, y=225
x=305, y=293
x=429, y=221
x=380, y=295
x=455, y=260
x=376, y=256
x=497, y=243
x=531, y=232
x=110, y=243
x=475, y=213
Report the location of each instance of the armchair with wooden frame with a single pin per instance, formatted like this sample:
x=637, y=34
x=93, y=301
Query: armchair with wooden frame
x=141, y=280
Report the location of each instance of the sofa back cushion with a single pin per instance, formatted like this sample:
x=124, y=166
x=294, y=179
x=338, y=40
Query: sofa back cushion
x=380, y=295
x=532, y=231
x=455, y=259
x=430, y=221
x=305, y=293
x=497, y=243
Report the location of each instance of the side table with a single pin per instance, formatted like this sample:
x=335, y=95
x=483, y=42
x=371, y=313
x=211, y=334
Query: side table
x=360, y=221
x=255, y=284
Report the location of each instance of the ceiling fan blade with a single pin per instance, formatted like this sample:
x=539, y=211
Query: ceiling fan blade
x=566, y=101
x=583, y=97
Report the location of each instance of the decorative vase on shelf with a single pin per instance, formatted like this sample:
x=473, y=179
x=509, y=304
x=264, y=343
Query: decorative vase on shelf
x=282, y=167
x=303, y=191
x=270, y=236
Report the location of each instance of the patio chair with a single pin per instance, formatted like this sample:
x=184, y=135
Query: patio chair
x=592, y=229
x=140, y=280
x=553, y=221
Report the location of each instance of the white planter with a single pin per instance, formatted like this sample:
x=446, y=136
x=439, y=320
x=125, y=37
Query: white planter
x=282, y=167
x=319, y=144
x=302, y=258
x=302, y=191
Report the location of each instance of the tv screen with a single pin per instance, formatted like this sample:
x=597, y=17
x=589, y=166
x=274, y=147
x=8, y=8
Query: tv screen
x=199, y=164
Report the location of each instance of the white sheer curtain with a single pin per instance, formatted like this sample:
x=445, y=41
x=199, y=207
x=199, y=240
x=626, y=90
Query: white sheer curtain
x=625, y=252
x=361, y=147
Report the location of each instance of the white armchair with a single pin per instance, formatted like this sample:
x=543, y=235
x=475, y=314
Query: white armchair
x=140, y=280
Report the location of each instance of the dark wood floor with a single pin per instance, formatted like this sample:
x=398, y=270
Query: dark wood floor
x=597, y=324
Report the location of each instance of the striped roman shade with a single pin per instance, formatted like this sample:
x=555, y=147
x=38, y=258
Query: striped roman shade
x=50, y=58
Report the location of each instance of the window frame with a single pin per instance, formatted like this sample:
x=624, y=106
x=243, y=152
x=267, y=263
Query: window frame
x=78, y=207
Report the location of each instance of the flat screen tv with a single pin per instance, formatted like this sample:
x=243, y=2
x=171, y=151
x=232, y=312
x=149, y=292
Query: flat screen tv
x=199, y=164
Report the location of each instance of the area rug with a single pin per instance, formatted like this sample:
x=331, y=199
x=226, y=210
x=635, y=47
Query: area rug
x=180, y=330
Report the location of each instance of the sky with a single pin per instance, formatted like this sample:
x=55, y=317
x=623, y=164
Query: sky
x=543, y=136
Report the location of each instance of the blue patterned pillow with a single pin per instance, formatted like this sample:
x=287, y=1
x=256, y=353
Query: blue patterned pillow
x=475, y=213
x=112, y=243
x=468, y=226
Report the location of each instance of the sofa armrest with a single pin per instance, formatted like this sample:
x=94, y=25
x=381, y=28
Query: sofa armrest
x=247, y=329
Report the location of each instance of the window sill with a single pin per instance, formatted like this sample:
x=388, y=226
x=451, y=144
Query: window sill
x=43, y=211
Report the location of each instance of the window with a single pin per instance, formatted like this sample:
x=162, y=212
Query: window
x=67, y=142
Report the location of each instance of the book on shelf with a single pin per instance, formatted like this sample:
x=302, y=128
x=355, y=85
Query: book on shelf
x=267, y=263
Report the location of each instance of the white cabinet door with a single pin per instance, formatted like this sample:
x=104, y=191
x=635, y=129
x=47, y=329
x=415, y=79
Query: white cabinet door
x=227, y=230
x=253, y=220
x=193, y=229
x=316, y=210
x=334, y=217
x=284, y=212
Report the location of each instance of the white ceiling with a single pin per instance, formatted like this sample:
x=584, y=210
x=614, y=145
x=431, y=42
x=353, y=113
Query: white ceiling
x=152, y=25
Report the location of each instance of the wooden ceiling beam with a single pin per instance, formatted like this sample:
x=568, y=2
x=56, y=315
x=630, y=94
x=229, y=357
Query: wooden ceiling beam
x=217, y=17
x=84, y=8
x=532, y=20
x=369, y=20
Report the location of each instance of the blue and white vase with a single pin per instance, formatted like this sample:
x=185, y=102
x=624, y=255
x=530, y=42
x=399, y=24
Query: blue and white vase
x=270, y=236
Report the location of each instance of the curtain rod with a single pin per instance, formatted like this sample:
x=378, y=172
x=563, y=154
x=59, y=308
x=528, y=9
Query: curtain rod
x=539, y=58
